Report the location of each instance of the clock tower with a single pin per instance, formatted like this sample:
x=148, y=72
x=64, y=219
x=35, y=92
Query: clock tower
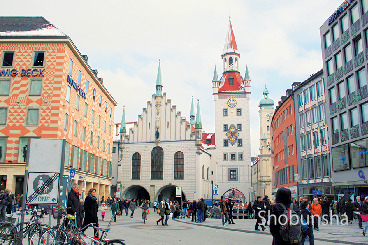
x=232, y=94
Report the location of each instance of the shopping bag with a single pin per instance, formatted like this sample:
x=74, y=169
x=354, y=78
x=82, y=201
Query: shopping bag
x=364, y=217
x=148, y=212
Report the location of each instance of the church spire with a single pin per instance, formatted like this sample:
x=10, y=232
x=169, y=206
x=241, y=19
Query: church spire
x=247, y=76
x=215, y=76
x=230, y=43
x=123, y=124
x=198, y=124
x=159, y=81
x=192, y=114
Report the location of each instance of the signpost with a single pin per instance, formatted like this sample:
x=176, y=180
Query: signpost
x=72, y=173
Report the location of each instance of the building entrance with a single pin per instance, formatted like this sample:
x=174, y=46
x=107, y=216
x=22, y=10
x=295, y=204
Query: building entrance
x=137, y=192
x=169, y=192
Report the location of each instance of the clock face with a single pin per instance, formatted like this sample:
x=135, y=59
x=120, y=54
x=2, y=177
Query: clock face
x=231, y=102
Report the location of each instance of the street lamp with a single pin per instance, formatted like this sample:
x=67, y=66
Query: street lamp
x=297, y=178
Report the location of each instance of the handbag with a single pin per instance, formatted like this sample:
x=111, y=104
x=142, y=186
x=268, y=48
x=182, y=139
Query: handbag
x=158, y=211
x=148, y=212
x=364, y=217
x=167, y=212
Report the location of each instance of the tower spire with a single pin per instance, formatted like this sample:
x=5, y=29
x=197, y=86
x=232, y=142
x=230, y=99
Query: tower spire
x=192, y=113
x=215, y=76
x=230, y=43
x=247, y=76
x=159, y=81
x=198, y=124
x=123, y=124
x=265, y=92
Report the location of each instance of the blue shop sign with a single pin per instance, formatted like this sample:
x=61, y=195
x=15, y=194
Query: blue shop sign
x=76, y=86
x=314, y=192
x=339, y=11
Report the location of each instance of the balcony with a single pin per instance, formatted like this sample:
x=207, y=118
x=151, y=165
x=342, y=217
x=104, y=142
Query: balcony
x=359, y=59
x=328, y=51
x=339, y=74
x=364, y=128
x=335, y=137
x=357, y=96
x=345, y=37
x=349, y=66
x=354, y=132
x=335, y=45
x=332, y=108
x=355, y=28
x=330, y=79
x=365, y=19
x=344, y=135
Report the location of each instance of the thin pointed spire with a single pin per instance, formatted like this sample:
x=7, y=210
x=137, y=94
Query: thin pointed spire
x=215, y=76
x=247, y=76
x=123, y=124
x=265, y=92
x=192, y=113
x=159, y=80
x=198, y=124
x=230, y=43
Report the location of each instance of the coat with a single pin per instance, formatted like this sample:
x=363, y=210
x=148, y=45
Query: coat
x=91, y=209
x=114, y=208
x=73, y=205
x=132, y=205
x=161, y=207
x=307, y=216
x=316, y=209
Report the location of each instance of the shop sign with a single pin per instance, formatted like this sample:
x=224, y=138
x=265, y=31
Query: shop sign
x=339, y=11
x=22, y=72
x=319, y=193
x=76, y=86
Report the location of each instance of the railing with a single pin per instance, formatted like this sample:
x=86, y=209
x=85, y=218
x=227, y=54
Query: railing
x=338, y=106
x=328, y=51
x=357, y=96
x=345, y=37
x=354, y=132
x=349, y=66
x=359, y=59
x=339, y=74
x=344, y=135
x=335, y=45
x=331, y=79
x=335, y=137
x=365, y=19
x=364, y=128
x=355, y=28
x=333, y=108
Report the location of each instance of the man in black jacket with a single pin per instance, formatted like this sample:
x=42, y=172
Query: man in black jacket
x=259, y=209
x=230, y=206
x=74, y=206
x=306, y=218
x=358, y=208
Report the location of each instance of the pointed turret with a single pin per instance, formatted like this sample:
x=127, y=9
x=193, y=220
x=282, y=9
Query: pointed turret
x=230, y=43
x=198, y=124
x=192, y=113
x=123, y=124
x=247, y=76
x=215, y=76
x=159, y=81
x=266, y=103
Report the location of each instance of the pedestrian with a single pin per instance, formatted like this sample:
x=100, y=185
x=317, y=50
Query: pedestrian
x=91, y=210
x=132, y=207
x=194, y=211
x=126, y=206
x=114, y=208
x=172, y=209
x=230, y=206
x=224, y=214
x=316, y=211
x=205, y=208
x=291, y=234
x=259, y=212
x=185, y=209
x=358, y=208
x=74, y=206
x=364, y=211
x=154, y=206
x=267, y=205
x=250, y=210
x=350, y=210
x=306, y=219
x=167, y=211
x=325, y=204
x=103, y=211
x=161, y=212
x=199, y=211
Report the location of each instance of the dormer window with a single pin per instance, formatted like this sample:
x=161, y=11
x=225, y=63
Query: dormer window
x=231, y=80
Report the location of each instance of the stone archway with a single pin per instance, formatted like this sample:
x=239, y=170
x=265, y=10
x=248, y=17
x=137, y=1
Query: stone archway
x=234, y=193
x=136, y=192
x=169, y=192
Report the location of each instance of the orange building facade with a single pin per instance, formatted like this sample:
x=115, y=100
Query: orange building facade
x=48, y=90
x=283, y=145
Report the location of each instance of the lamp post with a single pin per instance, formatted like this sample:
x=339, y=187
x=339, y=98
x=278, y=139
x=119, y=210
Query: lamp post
x=297, y=178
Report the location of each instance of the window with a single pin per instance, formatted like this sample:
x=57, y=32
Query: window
x=330, y=67
x=306, y=97
x=68, y=94
x=208, y=173
x=302, y=142
x=323, y=136
x=315, y=139
x=79, y=77
x=313, y=93
x=338, y=60
x=240, y=156
x=226, y=143
x=358, y=153
x=94, y=94
x=87, y=86
x=332, y=95
x=110, y=111
x=105, y=126
x=225, y=157
x=327, y=39
x=105, y=106
x=231, y=79
x=23, y=149
x=348, y=53
x=4, y=87
x=202, y=171
x=315, y=115
x=91, y=138
x=233, y=174
x=342, y=92
x=2, y=148
x=351, y=85
x=39, y=58
x=77, y=102
x=179, y=165
x=103, y=145
x=99, y=121
x=85, y=109
x=114, y=149
x=354, y=14
x=340, y=158
x=344, y=121
x=75, y=130
x=136, y=166
x=238, y=112
x=322, y=114
x=268, y=128
x=326, y=166
x=35, y=87
x=301, y=120
x=362, y=79
x=311, y=168
x=70, y=67
x=226, y=127
x=157, y=157
x=239, y=127
x=3, y=115
x=66, y=119
x=8, y=58
x=240, y=142
x=354, y=117
x=93, y=116
x=365, y=112
x=300, y=100
x=309, y=115
x=32, y=116
x=365, y=6
x=232, y=157
x=225, y=113
x=100, y=101
x=336, y=32
x=84, y=134
x=318, y=163
x=98, y=142
x=335, y=125
x=109, y=130
x=309, y=141
x=358, y=46
x=304, y=169
x=344, y=23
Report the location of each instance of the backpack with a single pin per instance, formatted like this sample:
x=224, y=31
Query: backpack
x=291, y=231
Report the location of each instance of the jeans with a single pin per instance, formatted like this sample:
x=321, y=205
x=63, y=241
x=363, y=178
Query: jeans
x=166, y=218
x=366, y=226
x=199, y=216
x=185, y=211
x=316, y=220
x=2, y=212
x=224, y=218
x=126, y=211
x=131, y=215
x=311, y=238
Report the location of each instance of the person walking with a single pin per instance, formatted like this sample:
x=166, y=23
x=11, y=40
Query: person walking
x=224, y=214
x=230, y=206
x=132, y=207
x=161, y=212
x=364, y=211
x=194, y=211
x=316, y=210
x=266, y=205
x=259, y=209
x=91, y=210
x=74, y=206
x=306, y=219
x=185, y=209
x=114, y=208
x=358, y=208
x=325, y=204
x=167, y=211
x=199, y=211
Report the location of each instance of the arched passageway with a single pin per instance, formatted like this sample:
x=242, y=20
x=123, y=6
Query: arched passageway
x=137, y=192
x=169, y=192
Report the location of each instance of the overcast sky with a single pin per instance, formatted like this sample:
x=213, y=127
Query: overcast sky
x=124, y=39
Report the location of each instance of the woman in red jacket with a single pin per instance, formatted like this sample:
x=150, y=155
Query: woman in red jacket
x=316, y=210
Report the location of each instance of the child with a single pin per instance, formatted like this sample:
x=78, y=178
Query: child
x=103, y=211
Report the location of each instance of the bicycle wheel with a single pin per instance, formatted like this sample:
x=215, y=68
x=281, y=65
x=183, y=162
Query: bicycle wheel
x=7, y=234
x=48, y=237
x=115, y=241
x=34, y=238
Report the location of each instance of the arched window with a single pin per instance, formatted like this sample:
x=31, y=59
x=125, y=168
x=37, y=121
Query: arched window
x=136, y=166
x=157, y=159
x=202, y=171
x=179, y=165
x=231, y=61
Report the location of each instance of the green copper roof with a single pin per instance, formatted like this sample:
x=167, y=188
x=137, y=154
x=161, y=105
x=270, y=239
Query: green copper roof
x=159, y=81
x=247, y=76
x=215, y=76
x=266, y=103
x=192, y=113
x=123, y=125
x=198, y=124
